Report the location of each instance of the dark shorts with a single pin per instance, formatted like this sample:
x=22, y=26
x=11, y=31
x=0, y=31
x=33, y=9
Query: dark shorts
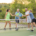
x=33, y=20
x=17, y=21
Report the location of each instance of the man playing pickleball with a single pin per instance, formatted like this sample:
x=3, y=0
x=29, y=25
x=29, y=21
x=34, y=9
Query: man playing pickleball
x=17, y=18
x=28, y=18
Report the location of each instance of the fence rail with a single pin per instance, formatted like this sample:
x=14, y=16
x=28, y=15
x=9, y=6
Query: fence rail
x=13, y=20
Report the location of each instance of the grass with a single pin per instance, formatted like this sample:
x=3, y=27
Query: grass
x=18, y=33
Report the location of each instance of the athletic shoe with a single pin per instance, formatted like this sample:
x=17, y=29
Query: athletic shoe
x=32, y=30
x=10, y=28
x=16, y=29
x=4, y=28
x=28, y=29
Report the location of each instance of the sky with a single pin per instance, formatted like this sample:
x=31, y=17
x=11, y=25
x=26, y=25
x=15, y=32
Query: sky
x=6, y=1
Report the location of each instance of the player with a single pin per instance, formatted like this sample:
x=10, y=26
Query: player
x=32, y=18
x=28, y=19
x=7, y=18
x=17, y=18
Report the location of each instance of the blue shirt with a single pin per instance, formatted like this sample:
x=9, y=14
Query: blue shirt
x=31, y=15
x=16, y=16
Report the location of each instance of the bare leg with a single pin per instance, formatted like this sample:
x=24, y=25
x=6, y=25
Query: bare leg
x=5, y=24
x=34, y=24
x=16, y=25
x=9, y=24
x=28, y=25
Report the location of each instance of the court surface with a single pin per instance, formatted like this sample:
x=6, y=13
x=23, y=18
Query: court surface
x=20, y=32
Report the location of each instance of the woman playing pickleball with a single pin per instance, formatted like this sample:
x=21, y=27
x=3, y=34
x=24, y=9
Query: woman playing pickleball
x=7, y=18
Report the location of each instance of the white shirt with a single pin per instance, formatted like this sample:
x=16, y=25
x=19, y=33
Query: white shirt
x=26, y=13
x=28, y=17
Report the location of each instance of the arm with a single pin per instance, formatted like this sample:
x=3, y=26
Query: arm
x=12, y=15
x=26, y=15
x=16, y=15
x=26, y=18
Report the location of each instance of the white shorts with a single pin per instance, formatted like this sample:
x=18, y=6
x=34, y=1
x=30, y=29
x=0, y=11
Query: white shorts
x=29, y=20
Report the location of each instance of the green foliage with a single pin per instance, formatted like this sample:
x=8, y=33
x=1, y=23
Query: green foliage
x=17, y=4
